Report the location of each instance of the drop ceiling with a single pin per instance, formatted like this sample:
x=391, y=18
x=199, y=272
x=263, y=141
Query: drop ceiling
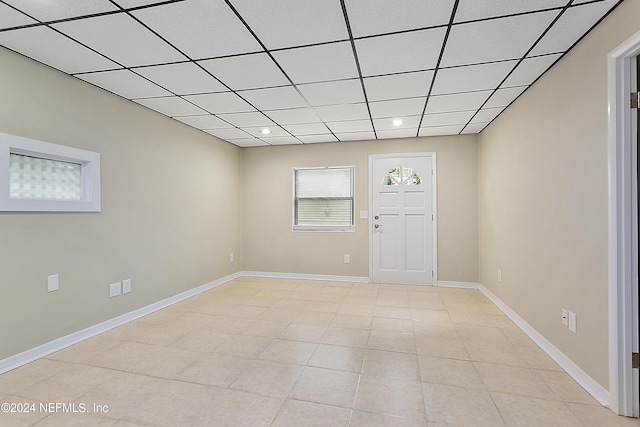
x=306, y=71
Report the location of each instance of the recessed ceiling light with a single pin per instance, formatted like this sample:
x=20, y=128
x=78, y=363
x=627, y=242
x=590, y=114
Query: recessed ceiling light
x=265, y=131
x=397, y=122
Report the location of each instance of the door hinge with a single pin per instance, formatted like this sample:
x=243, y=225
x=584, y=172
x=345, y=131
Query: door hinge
x=635, y=100
x=635, y=360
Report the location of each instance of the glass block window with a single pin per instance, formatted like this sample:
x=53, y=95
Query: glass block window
x=40, y=178
x=401, y=176
x=323, y=199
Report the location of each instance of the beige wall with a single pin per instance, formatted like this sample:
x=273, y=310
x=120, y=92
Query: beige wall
x=170, y=209
x=543, y=199
x=270, y=245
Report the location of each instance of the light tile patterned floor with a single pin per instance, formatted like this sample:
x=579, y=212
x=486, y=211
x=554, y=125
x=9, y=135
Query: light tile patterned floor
x=269, y=352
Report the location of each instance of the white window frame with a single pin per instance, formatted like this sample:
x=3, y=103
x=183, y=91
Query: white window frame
x=90, y=175
x=325, y=228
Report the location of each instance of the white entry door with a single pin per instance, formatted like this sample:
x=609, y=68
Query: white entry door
x=401, y=218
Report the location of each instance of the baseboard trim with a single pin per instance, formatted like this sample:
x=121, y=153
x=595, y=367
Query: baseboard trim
x=461, y=285
x=43, y=350
x=299, y=276
x=581, y=377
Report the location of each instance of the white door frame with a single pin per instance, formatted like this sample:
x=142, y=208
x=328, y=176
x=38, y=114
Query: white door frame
x=623, y=250
x=434, y=187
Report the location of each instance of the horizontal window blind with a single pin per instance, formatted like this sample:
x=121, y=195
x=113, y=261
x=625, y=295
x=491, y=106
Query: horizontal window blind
x=324, y=197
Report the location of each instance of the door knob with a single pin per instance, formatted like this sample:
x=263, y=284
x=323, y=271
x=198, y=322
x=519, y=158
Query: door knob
x=377, y=226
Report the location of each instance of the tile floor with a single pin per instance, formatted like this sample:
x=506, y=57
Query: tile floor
x=269, y=352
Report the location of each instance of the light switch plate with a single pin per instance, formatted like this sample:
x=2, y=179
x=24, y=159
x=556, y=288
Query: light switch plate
x=52, y=283
x=573, y=322
x=126, y=286
x=115, y=289
x=364, y=214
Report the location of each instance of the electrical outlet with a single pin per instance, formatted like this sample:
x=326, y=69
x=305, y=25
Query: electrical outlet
x=231, y=257
x=126, y=286
x=347, y=258
x=565, y=317
x=52, y=283
x=499, y=276
x=573, y=322
x=115, y=289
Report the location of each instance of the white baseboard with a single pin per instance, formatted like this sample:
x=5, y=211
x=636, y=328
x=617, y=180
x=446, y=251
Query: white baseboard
x=581, y=377
x=462, y=285
x=43, y=350
x=323, y=277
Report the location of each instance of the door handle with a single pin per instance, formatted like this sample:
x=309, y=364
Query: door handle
x=377, y=225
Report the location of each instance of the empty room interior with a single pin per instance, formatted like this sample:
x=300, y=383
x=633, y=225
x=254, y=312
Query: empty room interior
x=318, y=212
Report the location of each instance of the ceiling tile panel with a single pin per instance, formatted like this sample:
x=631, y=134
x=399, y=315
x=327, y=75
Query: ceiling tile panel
x=471, y=78
x=247, y=119
x=135, y=3
x=355, y=136
x=128, y=43
x=530, y=69
x=207, y=121
x=125, y=83
x=441, y=130
x=408, y=122
x=334, y=113
x=414, y=51
x=474, y=128
x=571, y=25
x=55, y=50
x=397, y=108
x=504, y=97
x=282, y=140
x=218, y=103
x=486, y=115
x=287, y=23
x=247, y=71
x=397, y=133
x=307, y=129
x=274, y=98
x=469, y=10
x=54, y=10
x=293, y=116
x=339, y=92
x=247, y=142
x=350, y=126
x=457, y=102
x=315, y=139
x=229, y=133
x=171, y=106
x=182, y=79
x=494, y=40
x=396, y=86
x=275, y=131
x=9, y=17
x=333, y=61
x=369, y=17
x=457, y=118
x=200, y=28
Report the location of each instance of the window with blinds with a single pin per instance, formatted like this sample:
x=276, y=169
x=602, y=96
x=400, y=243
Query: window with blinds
x=323, y=199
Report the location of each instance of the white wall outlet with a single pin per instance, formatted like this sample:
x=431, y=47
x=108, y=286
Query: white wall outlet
x=573, y=322
x=565, y=317
x=115, y=289
x=347, y=258
x=364, y=214
x=52, y=283
x=231, y=257
x=499, y=276
x=126, y=286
